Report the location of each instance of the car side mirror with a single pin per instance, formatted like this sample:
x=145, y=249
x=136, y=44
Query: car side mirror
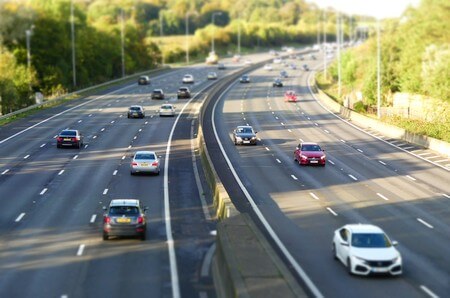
x=344, y=243
x=394, y=243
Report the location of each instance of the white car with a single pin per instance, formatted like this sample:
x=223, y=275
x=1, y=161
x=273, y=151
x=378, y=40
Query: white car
x=145, y=162
x=212, y=75
x=188, y=79
x=277, y=60
x=365, y=249
x=167, y=109
x=268, y=67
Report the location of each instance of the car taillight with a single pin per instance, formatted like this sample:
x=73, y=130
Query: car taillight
x=106, y=219
x=140, y=219
x=134, y=164
x=77, y=138
x=59, y=139
x=155, y=163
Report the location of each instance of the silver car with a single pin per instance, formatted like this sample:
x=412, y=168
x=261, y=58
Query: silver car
x=167, y=109
x=145, y=162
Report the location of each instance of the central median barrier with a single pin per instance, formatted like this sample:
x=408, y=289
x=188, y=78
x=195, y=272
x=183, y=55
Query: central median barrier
x=244, y=264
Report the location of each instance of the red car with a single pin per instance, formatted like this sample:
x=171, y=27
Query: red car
x=309, y=154
x=290, y=96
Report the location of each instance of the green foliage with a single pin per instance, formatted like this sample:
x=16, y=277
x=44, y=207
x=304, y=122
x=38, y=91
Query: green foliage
x=360, y=107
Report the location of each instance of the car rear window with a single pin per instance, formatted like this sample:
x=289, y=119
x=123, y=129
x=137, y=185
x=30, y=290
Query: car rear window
x=124, y=210
x=144, y=156
x=166, y=107
x=157, y=91
x=70, y=133
x=135, y=108
x=183, y=89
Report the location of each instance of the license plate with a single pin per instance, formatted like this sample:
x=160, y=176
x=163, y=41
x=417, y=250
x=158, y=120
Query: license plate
x=144, y=164
x=314, y=161
x=67, y=139
x=123, y=220
x=377, y=270
x=246, y=142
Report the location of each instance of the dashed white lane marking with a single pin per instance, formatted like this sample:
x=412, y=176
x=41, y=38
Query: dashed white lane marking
x=282, y=123
x=85, y=146
x=411, y=178
x=316, y=124
x=276, y=117
x=353, y=177
x=382, y=162
x=19, y=218
x=326, y=131
x=383, y=197
x=112, y=122
x=407, y=148
x=446, y=195
x=90, y=115
x=425, y=223
x=123, y=157
x=103, y=129
x=79, y=121
x=43, y=145
x=331, y=211
x=146, y=122
x=60, y=172
x=81, y=250
x=293, y=177
x=243, y=118
x=75, y=157
x=135, y=137
x=94, y=137
x=100, y=109
x=93, y=217
x=140, y=129
x=105, y=191
x=426, y=153
x=429, y=292
x=314, y=196
x=267, y=149
x=309, y=118
x=289, y=130
x=115, y=173
x=278, y=161
x=64, y=296
x=343, y=141
x=43, y=191
x=332, y=162
x=273, y=113
x=360, y=150
x=301, y=140
x=26, y=156
x=55, y=136
x=5, y=171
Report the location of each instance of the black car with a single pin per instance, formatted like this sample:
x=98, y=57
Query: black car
x=277, y=83
x=183, y=92
x=69, y=138
x=305, y=67
x=143, y=80
x=244, y=79
x=158, y=94
x=136, y=112
x=221, y=66
x=124, y=217
x=244, y=135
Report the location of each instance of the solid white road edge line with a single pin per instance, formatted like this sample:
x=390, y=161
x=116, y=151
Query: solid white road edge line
x=43, y=191
x=353, y=177
x=314, y=195
x=383, y=197
x=105, y=191
x=60, y=172
x=5, y=171
x=296, y=266
x=331, y=211
x=207, y=261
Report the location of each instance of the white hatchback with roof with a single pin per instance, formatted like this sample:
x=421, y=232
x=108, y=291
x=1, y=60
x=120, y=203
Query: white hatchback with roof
x=365, y=249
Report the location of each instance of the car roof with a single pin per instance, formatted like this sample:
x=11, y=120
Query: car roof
x=135, y=106
x=167, y=105
x=145, y=152
x=245, y=126
x=309, y=143
x=124, y=202
x=157, y=90
x=363, y=228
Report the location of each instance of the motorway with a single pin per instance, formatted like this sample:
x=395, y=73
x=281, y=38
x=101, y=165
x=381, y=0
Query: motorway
x=51, y=217
x=368, y=179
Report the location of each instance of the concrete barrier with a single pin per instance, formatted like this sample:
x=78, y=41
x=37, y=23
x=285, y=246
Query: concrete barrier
x=388, y=130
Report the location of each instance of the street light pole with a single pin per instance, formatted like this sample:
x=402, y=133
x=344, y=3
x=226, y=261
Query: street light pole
x=161, y=32
x=212, y=36
x=187, y=36
x=239, y=35
x=378, y=71
x=339, y=41
x=122, y=38
x=72, y=28
x=28, y=34
x=325, y=44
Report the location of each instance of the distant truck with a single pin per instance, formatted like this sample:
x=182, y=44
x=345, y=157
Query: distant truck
x=212, y=58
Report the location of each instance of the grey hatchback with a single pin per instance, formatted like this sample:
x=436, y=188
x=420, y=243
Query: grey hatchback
x=124, y=217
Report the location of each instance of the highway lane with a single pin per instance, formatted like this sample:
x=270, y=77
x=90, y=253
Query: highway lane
x=51, y=220
x=403, y=194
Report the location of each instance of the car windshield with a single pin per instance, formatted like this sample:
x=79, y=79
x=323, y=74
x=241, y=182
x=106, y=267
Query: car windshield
x=135, y=108
x=245, y=130
x=311, y=148
x=370, y=240
x=166, y=107
x=157, y=91
x=145, y=156
x=124, y=210
x=69, y=133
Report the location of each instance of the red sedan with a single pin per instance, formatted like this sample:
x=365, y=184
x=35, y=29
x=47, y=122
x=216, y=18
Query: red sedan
x=310, y=154
x=290, y=96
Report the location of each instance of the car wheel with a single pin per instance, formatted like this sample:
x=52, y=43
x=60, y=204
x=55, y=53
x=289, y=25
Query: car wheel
x=333, y=249
x=349, y=266
x=128, y=116
x=131, y=173
x=105, y=236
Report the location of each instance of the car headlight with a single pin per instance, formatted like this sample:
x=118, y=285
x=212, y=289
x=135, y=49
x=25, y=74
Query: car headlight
x=398, y=259
x=303, y=156
x=322, y=157
x=253, y=138
x=238, y=138
x=361, y=260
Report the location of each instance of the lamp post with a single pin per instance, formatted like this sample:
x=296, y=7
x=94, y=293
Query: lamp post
x=378, y=70
x=72, y=29
x=28, y=34
x=212, y=21
x=187, y=35
x=239, y=35
x=122, y=39
x=325, y=44
x=339, y=41
x=161, y=32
